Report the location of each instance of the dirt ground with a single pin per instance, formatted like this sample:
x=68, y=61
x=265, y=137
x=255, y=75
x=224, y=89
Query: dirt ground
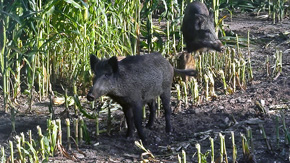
x=193, y=124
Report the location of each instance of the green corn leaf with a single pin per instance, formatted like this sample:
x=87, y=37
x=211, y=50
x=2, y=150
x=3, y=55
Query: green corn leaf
x=75, y=4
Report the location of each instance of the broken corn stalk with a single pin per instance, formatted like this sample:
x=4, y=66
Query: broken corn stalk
x=206, y=87
x=197, y=146
x=42, y=150
x=68, y=133
x=212, y=149
x=234, y=147
x=11, y=151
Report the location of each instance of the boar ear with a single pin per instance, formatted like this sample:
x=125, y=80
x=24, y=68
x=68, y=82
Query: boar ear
x=199, y=20
x=113, y=62
x=211, y=15
x=93, y=61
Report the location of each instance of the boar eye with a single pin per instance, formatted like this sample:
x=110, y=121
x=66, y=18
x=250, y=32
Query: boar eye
x=207, y=32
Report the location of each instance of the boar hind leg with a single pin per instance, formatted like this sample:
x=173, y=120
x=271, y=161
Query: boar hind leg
x=129, y=119
x=152, y=107
x=165, y=98
x=137, y=111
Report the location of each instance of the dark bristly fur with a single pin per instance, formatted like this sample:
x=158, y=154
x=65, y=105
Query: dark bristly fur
x=133, y=82
x=198, y=29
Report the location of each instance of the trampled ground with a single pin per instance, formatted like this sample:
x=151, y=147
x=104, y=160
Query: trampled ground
x=193, y=124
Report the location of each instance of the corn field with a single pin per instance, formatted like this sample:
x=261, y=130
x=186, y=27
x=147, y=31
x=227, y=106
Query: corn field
x=47, y=43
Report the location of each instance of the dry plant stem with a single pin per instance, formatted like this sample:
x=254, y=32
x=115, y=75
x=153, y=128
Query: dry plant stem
x=234, y=147
x=211, y=84
x=212, y=149
x=76, y=126
x=41, y=142
x=206, y=87
x=50, y=108
x=97, y=124
x=168, y=36
x=54, y=136
x=200, y=68
x=11, y=151
x=183, y=156
x=238, y=46
x=225, y=150
x=221, y=72
x=245, y=146
x=22, y=139
x=238, y=67
x=197, y=146
x=234, y=74
x=185, y=92
x=196, y=94
x=173, y=27
x=140, y=145
x=23, y=143
x=68, y=133
x=81, y=120
x=250, y=137
x=65, y=98
x=179, y=158
x=59, y=135
x=243, y=72
x=77, y=146
x=221, y=148
x=181, y=14
x=30, y=136
x=18, y=145
x=75, y=94
x=250, y=74
x=177, y=86
x=265, y=137
x=3, y=60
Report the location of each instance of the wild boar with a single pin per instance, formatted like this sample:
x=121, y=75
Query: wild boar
x=198, y=29
x=133, y=82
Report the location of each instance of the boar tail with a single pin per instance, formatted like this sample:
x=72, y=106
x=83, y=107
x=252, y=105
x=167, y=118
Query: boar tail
x=188, y=72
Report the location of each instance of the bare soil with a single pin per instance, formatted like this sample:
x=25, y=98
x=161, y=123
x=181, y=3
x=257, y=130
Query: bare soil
x=194, y=123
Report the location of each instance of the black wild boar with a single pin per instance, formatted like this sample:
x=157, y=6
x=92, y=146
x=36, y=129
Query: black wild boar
x=133, y=82
x=198, y=29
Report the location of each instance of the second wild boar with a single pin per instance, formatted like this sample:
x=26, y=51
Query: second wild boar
x=198, y=29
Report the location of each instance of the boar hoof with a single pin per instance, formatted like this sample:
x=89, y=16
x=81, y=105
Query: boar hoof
x=90, y=97
x=168, y=129
x=149, y=126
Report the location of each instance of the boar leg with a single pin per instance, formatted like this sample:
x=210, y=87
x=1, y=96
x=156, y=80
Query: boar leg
x=129, y=119
x=137, y=111
x=165, y=98
x=152, y=108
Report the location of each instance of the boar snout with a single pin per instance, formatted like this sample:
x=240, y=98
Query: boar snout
x=90, y=97
x=219, y=46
